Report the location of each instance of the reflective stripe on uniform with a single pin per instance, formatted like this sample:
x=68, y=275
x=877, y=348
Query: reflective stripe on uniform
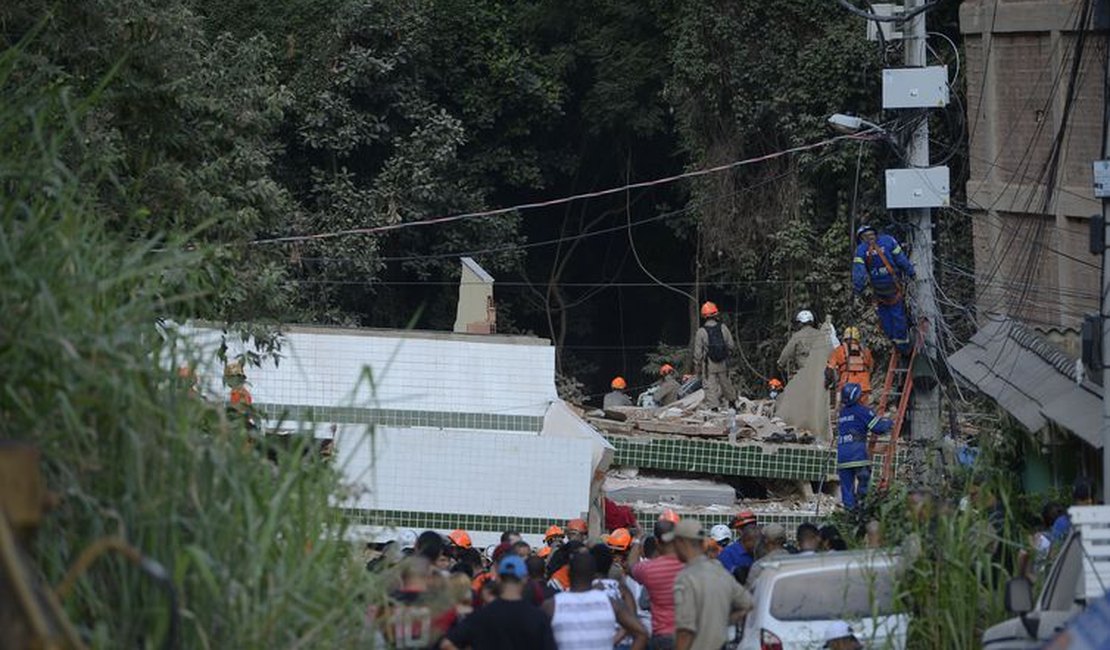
x=858, y=260
x=853, y=463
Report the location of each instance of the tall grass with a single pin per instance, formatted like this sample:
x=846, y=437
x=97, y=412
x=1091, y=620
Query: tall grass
x=88, y=376
x=957, y=555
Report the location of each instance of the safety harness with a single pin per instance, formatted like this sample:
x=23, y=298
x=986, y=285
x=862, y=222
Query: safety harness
x=873, y=249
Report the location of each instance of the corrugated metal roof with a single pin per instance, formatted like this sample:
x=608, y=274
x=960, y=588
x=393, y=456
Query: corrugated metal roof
x=1030, y=379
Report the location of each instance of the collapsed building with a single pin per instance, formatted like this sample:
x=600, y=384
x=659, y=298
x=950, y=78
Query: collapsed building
x=465, y=429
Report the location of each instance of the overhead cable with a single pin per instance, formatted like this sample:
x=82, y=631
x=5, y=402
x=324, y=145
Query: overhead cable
x=866, y=135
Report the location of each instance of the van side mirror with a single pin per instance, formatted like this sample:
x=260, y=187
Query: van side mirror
x=1019, y=596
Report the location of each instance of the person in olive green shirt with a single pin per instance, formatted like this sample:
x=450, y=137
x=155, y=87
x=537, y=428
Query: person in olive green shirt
x=707, y=600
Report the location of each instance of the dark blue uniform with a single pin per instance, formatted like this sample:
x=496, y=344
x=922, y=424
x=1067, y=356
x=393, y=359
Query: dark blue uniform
x=852, y=464
x=882, y=265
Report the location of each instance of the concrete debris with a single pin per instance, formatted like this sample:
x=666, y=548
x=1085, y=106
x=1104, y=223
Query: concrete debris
x=822, y=504
x=752, y=420
x=682, y=492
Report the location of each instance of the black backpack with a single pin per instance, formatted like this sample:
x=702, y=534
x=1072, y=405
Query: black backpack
x=718, y=349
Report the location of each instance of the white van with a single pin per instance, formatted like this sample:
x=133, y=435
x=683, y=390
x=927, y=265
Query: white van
x=799, y=597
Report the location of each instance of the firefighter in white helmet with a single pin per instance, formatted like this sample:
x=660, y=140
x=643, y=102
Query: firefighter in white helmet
x=796, y=351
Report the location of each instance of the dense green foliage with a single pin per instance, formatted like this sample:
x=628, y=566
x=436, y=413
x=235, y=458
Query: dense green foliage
x=90, y=377
x=151, y=149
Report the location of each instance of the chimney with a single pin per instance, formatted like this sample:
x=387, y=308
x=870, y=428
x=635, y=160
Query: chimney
x=476, y=313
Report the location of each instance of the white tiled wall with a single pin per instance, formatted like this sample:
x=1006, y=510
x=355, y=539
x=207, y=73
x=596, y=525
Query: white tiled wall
x=480, y=375
x=468, y=472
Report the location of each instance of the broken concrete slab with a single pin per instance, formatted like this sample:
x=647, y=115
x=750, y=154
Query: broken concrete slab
x=685, y=492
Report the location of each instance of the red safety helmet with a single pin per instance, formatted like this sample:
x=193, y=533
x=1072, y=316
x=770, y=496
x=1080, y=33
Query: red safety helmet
x=708, y=309
x=618, y=383
x=665, y=369
x=743, y=518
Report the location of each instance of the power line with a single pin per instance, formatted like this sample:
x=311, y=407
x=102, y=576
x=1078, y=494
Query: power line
x=566, y=199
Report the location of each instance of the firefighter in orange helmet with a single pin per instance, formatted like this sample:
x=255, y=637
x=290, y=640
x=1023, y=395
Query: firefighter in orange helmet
x=617, y=396
x=712, y=345
x=667, y=388
x=851, y=361
x=235, y=378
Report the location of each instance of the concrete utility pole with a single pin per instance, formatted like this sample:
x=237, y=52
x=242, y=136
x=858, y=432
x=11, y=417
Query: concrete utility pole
x=926, y=403
x=1105, y=326
x=1104, y=307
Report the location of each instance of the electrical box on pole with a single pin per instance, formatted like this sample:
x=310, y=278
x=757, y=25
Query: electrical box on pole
x=915, y=87
x=925, y=187
x=1102, y=179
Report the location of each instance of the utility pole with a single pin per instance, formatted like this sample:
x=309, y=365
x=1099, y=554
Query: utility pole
x=1104, y=321
x=926, y=402
x=1104, y=308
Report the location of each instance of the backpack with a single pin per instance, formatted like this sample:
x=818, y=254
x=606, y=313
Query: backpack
x=718, y=349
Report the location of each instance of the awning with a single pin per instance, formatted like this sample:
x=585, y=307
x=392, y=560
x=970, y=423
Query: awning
x=1029, y=378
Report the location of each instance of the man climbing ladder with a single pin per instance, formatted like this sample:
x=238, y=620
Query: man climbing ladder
x=881, y=262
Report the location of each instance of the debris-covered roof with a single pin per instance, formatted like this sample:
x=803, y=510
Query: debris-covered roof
x=1033, y=380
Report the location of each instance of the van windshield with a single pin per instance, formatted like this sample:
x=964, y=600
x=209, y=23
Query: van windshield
x=851, y=593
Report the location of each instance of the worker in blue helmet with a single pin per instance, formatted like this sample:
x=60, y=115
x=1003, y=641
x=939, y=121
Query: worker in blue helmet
x=855, y=425
x=880, y=262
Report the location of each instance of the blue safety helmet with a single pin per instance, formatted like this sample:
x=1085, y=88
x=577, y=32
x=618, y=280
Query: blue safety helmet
x=850, y=394
x=862, y=229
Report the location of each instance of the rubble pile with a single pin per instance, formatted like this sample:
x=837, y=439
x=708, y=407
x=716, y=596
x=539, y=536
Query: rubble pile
x=753, y=420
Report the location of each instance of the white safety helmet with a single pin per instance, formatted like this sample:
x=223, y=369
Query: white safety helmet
x=720, y=533
x=407, y=539
x=804, y=316
x=489, y=551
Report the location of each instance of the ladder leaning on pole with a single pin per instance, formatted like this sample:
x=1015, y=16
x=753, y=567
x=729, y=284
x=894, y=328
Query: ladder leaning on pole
x=897, y=386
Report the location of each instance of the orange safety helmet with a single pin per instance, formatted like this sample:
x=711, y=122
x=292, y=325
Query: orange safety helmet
x=459, y=537
x=619, y=540
x=709, y=309
x=543, y=552
x=578, y=526
x=553, y=531
x=775, y=384
x=665, y=369
x=669, y=515
x=618, y=383
x=742, y=518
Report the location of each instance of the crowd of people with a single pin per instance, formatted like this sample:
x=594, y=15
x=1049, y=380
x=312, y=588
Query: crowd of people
x=675, y=586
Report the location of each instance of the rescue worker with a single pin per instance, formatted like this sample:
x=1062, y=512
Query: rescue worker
x=576, y=530
x=617, y=396
x=855, y=424
x=851, y=361
x=712, y=345
x=666, y=389
x=235, y=378
x=774, y=388
x=553, y=537
x=796, y=350
x=880, y=262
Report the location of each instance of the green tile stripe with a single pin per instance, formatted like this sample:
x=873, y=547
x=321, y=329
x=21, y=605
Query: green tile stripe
x=754, y=460
x=400, y=417
x=446, y=521
x=724, y=458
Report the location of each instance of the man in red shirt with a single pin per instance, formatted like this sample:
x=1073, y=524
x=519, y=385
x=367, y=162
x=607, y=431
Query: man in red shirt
x=657, y=576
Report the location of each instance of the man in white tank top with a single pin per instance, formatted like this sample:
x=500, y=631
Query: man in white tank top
x=584, y=618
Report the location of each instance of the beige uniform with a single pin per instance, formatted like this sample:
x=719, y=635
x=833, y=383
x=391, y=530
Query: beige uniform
x=667, y=391
x=714, y=374
x=797, y=349
x=705, y=595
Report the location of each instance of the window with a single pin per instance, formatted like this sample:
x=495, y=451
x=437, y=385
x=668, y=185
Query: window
x=842, y=593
